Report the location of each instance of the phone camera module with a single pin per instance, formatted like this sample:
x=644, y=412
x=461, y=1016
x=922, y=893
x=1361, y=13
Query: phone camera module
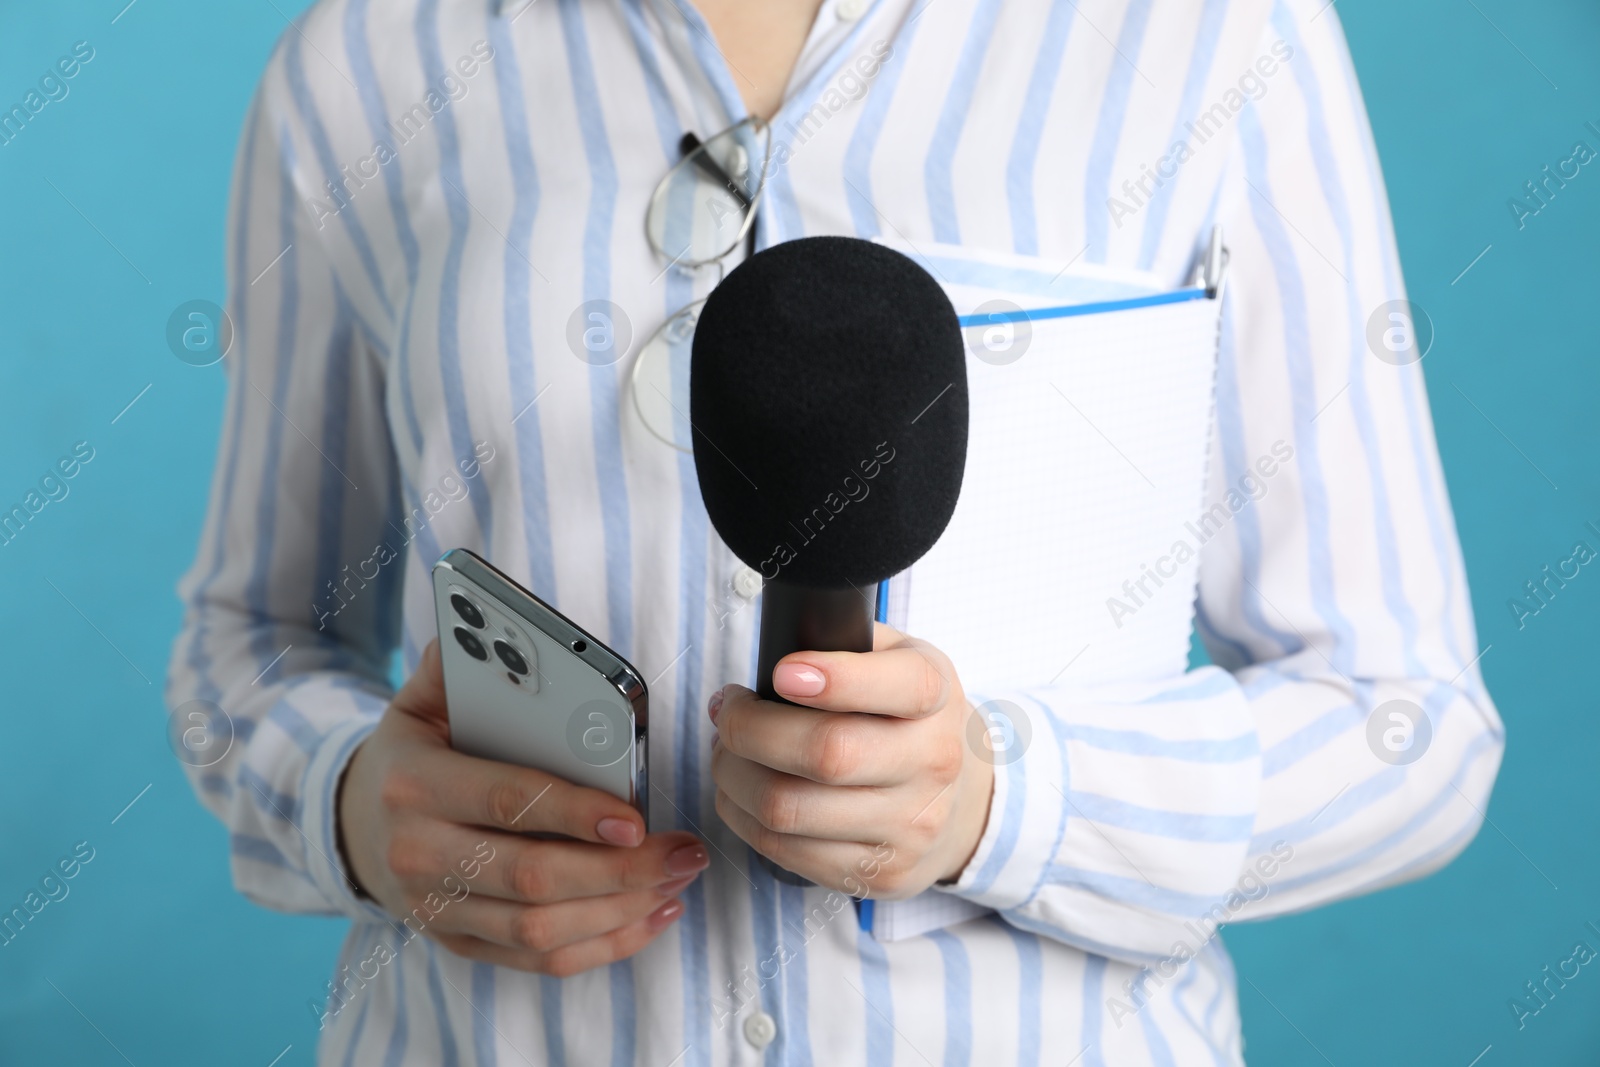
x=511, y=657
x=470, y=642
x=468, y=611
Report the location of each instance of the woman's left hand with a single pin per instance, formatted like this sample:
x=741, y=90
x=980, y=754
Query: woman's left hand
x=872, y=787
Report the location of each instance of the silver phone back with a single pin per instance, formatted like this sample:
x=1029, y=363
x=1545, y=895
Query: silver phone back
x=580, y=710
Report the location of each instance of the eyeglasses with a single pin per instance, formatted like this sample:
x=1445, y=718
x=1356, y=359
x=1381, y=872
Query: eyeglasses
x=702, y=210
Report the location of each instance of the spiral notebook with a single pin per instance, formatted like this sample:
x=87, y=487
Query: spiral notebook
x=1086, y=462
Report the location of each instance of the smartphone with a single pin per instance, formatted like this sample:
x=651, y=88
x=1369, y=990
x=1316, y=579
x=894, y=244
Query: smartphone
x=527, y=685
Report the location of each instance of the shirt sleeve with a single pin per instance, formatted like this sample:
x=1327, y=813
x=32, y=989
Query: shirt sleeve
x=1343, y=740
x=291, y=606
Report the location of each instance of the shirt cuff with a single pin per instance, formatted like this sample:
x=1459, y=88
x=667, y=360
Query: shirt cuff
x=319, y=819
x=1027, y=810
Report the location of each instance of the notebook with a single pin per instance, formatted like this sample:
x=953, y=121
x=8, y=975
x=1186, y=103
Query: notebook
x=1086, y=467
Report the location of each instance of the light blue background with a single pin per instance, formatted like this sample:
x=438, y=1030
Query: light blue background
x=173, y=967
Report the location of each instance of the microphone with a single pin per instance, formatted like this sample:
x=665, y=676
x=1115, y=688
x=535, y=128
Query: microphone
x=828, y=401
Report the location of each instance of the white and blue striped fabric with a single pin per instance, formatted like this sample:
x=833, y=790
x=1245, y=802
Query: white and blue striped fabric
x=402, y=377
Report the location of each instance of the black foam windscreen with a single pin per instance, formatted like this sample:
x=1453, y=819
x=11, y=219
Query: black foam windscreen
x=828, y=397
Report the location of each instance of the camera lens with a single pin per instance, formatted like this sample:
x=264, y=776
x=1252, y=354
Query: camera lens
x=470, y=642
x=511, y=657
x=468, y=611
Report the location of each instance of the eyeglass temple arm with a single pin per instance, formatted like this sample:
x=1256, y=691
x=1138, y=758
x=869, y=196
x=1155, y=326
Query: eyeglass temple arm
x=689, y=146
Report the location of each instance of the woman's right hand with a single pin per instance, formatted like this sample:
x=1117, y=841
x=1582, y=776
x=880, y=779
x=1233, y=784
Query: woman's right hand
x=415, y=817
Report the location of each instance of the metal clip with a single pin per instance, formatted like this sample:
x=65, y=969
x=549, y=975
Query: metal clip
x=1215, y=269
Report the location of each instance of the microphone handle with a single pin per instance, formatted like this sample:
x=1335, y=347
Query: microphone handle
x=796, y=618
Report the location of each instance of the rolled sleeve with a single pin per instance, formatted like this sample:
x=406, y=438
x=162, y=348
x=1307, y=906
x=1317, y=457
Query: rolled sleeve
x=319, y=819
x=1126, y=813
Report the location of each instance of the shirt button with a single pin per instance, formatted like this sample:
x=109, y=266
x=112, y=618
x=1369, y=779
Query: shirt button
x=747, y=582
x=760, y=1029
x=850, y=10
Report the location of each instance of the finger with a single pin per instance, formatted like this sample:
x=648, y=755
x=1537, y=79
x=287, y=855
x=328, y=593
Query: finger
x=886, y=636
x=547, y=927
x=571, y=959
x=464, y=789
x=793, y=806
x=848, y=866
x=422, y=697
x=910, y=680
x=827, y=747
x=541, y=872
x=512, y=868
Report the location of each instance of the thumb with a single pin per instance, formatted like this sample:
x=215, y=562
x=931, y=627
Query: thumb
x=886, y=636
x=422, y=697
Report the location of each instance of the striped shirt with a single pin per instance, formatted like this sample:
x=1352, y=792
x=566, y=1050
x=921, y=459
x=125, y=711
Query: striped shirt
x=427, y=190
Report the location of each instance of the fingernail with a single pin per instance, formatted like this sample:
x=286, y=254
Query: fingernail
x=616, y=831
x=797, y=679
x=665, y=914
x=676, y=886
x=714, y=705
x=687, y=859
